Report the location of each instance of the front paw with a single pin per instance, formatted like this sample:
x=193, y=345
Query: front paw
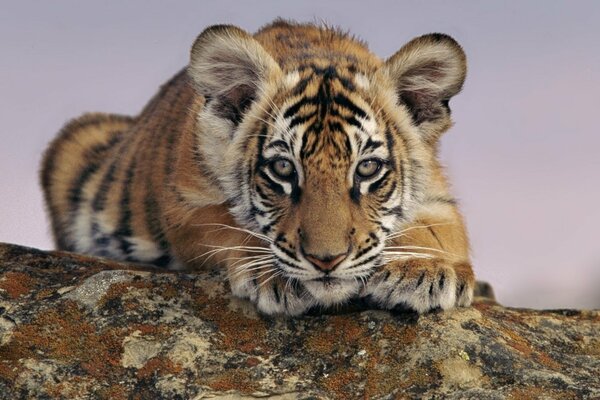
x=421, y=284
x=272, y=295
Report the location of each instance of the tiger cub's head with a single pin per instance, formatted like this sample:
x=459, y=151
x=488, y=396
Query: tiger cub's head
x=323, y=151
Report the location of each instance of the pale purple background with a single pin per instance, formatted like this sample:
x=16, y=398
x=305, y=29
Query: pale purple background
x=524, y=154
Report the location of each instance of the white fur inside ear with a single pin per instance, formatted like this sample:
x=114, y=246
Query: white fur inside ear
x=430, y=65
x=424, y=75
x=226, y=58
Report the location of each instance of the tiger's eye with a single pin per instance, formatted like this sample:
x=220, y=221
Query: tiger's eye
x=283, y=168
x=368, y=168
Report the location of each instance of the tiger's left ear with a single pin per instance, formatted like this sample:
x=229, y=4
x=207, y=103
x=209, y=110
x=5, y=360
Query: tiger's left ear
x=426, y=73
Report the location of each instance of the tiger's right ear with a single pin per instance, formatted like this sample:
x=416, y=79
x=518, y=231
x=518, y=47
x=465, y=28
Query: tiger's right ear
x=229, y=66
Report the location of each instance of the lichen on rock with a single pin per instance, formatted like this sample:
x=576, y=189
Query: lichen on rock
x=79, y=327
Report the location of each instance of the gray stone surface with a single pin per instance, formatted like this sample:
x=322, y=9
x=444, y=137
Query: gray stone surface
x=75, y=327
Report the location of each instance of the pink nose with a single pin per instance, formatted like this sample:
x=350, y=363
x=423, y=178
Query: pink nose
x=326, y=264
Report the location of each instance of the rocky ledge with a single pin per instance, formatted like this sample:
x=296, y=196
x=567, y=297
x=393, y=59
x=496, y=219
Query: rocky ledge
x=76, y=327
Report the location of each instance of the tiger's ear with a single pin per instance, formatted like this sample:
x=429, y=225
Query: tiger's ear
x=228, y=66
x=426, y=73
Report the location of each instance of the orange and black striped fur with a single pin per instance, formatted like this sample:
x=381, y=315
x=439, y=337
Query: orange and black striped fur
x=294, y=158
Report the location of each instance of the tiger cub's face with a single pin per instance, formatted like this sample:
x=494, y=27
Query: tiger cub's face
x=326, y=160
x=325, y=178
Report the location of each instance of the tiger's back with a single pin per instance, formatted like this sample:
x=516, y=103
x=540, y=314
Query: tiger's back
x=102, y=177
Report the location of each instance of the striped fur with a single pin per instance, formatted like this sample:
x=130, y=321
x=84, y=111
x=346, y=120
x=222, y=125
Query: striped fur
x=294, y=158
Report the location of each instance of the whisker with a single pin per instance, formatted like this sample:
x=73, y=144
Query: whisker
x=252, y=263
x=211, y=253
x=257, y=267
x=405, y=253
x=239, y=247
x=417, y=248
x=400, y=233
x=275, y=275
x=242, y=259
x=235, y=228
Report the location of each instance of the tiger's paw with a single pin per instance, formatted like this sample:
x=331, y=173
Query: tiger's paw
x=421, y=284
x=273, y=295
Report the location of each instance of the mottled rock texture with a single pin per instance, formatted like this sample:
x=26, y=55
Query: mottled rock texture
x=77, y=327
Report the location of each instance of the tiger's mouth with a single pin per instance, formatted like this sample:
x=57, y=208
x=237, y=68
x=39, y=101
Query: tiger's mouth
x=326, y=279
x=328, y=291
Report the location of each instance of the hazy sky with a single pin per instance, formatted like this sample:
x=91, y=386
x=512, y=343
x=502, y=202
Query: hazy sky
x=523, y=155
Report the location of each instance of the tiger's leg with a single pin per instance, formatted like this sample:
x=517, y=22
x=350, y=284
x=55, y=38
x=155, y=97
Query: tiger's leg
x=253, y=274
x=426, y=267
x=271, y=292
x=210, y=237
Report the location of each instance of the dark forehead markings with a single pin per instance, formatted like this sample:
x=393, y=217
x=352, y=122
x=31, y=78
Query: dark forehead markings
x=313, y=140
x=345, y=102
x=279, y=143
x=372, y=144
x=326, y=102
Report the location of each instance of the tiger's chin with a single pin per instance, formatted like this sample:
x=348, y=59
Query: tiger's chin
x=332, y=292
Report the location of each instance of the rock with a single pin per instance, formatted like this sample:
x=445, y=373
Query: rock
x=79, y=327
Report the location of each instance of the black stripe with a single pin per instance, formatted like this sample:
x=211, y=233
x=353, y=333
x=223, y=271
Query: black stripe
x=300, y=120
x=351, y=120
x=421, y=279
x=260, y=160
x=76, y=189
x=377, y=184
x=162, y=261
x=266, y=228
x=335, y=126
x=294, y=108
x=281, y=261
x=355, y=193
x=346, y=83
x=279, y=143
x=306, y=149
x=372, y=144
x=275, y=288
x=346, y=103
x=172, y=140
x=254, y=210
x=94, y=157
x=386, y=196
x=368, y=260
x=271, y=184
x=287, y=252
x=354, y=122
x=124, y=228
x=437, y=239
x=390, y=141
x=152, y=211
x=324, y=97
x=301, y=86
x=264, y=199
x=99, y=202
x=398, y=211
x=364, y=251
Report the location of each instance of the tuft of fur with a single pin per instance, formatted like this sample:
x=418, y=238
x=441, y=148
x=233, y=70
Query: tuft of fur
x=295, y=158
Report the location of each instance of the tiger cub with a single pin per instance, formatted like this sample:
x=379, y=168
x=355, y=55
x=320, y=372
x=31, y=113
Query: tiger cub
x=295, y=158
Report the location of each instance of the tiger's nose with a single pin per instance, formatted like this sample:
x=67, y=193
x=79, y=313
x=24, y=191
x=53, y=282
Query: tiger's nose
x=327, y=263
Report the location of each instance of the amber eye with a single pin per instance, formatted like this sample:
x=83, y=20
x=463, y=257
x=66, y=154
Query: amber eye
x=368, y=168
x=283, y=168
